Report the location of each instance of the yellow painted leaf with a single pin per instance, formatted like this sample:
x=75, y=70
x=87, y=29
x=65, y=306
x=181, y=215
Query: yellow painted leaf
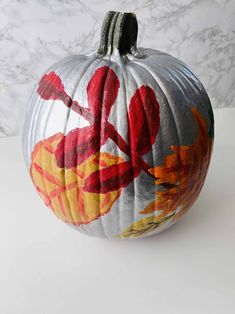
x=143, y=226
x=62, y=189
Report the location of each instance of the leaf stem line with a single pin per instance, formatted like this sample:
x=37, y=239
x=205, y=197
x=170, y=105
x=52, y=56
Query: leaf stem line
x=109, y=128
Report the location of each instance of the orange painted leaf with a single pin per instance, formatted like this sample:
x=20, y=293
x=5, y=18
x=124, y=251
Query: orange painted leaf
x=185, y=170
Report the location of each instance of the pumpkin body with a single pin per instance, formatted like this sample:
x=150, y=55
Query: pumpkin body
x=118, y=145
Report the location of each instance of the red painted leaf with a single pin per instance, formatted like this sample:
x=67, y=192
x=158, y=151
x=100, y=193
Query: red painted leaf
x=102, y=91
x=111, y=178
x=50, y=86
x=77, y=146
x=143, y=116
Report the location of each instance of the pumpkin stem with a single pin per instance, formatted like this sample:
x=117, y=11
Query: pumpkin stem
x=119, y=31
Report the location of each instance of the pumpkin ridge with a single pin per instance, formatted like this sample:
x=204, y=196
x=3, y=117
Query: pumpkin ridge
x=134, y=108
x=82, y=223
x=144, y=110
x=43, y=178
x=156, y=79
x=58, y=197
x=51, y=139
x=101, y=119
x=127, y=109
x=65, y=131
x=133, y=72
x=137, y=90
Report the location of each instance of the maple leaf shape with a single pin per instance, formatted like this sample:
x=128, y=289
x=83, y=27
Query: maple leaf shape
x=185, y=170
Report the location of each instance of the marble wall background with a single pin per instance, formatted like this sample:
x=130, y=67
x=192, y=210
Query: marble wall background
x=36, y=33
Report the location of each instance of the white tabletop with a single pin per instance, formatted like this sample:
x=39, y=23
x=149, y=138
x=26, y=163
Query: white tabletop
x=49, y=268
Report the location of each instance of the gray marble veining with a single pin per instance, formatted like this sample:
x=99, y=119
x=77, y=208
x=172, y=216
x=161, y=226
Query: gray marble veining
x=35, y=34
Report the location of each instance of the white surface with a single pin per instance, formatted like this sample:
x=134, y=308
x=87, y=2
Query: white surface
x=49, y=268
x=35, y=34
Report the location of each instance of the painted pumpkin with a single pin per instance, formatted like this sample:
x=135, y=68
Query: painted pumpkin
x=118, y=143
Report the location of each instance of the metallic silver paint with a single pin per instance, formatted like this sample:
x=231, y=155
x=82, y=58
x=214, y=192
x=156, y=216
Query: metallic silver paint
x=177, y=90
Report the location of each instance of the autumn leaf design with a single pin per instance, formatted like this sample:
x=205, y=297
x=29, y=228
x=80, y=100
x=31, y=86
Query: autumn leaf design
x=62, y=189
x=111, y=178
x=80, y=183
x=102, y=92
x=50, y=86
x=75, y=147
x=64, y=156
x=144, y=120
x=144, y=227
x=184, y=171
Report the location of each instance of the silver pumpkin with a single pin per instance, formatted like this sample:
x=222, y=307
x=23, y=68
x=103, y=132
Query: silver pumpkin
x=118, y=143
